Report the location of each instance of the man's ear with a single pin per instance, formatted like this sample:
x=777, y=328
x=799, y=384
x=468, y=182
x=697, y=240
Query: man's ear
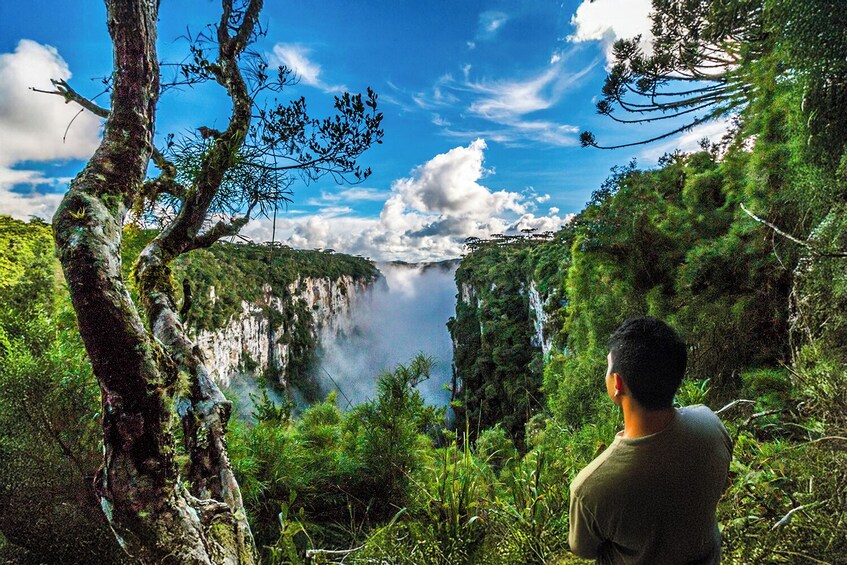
x=619, y=385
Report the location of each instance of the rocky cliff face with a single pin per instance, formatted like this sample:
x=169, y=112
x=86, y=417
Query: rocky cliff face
x=275, y=332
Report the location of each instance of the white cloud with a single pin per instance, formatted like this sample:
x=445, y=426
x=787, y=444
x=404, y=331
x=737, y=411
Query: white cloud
x=506, y=103
x=352, y=194
x=296, y=58
x=22, y=205
x=440, y=96
x=503, y=99
x=437, y=120
x=360, y=193
x=610, y=20
x=687, y=141
x=31, y=129
x=447, y=184
x=31, y=124
x=490, y=22
x=426, y=216
x=458, y=104
x=333, y=211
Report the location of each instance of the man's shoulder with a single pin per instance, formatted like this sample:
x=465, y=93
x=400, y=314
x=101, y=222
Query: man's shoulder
x=700, y=416
x=698, y=412
x=701, y=421
x=595, y=473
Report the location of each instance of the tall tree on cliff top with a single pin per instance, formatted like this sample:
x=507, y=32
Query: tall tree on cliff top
x=150, y=373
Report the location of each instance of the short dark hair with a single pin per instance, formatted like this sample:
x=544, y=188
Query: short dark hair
x=650, y=357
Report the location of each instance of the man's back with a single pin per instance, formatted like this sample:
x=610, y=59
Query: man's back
x=652, y=499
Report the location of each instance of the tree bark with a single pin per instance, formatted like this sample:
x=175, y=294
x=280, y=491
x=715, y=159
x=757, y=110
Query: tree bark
x=153, y=514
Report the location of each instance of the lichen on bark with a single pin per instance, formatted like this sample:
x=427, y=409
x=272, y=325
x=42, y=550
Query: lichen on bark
x=137, y=365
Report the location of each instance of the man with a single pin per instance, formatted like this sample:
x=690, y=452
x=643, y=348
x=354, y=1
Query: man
x=650, y=498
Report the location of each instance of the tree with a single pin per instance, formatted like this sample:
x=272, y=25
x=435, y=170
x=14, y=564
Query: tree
x=699, y=66
x=150, y=374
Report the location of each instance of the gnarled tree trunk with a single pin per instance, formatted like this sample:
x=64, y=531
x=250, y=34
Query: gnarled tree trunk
x=147, y=377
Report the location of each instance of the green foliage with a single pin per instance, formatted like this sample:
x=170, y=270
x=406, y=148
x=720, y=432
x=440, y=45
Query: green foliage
x=498, y=366
x=26, y=264
x=334, y=474
x=785, y=501
x=481, y=504
x=49, y=412
x=574, y=387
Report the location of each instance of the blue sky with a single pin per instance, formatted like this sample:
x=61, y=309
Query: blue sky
x=483, y=105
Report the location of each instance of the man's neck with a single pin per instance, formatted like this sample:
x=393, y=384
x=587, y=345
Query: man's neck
x=639, y=422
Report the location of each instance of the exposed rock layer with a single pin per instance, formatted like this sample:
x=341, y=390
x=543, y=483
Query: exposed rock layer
x=244, y=343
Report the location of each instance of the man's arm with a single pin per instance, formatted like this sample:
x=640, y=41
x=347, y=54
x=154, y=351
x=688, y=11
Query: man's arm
x=584, y=537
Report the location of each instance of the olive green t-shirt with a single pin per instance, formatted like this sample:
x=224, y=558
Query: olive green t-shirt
x=652, y=499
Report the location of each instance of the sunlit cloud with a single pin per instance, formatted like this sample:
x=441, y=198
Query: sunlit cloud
x=609, y=20
x=40, y=127
x=297, y=58
x=426, y=216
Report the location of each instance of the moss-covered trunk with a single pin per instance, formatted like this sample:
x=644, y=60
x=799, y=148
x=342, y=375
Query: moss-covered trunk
x=155, y=516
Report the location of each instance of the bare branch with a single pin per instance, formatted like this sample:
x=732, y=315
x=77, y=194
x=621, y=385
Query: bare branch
x=735, y=403
x=219, y=230
x=64, y=90
x=787, y=518
x=790, y=237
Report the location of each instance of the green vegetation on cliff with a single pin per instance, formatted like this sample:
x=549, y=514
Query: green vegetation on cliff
x=223, y=277
x=498, y=370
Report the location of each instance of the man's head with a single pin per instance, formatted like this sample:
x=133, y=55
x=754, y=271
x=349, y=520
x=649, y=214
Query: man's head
x=650, y=358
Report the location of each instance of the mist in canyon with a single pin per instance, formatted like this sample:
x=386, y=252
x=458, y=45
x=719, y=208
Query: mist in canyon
x=405, y=313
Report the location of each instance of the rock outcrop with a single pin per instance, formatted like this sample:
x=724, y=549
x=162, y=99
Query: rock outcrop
x=273, y=331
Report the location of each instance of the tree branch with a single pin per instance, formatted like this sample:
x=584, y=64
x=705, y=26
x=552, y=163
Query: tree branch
x=592, y=143
x=64, y=90
x=790, y=237
x=219, y=230
x=735, y=403
x=162, y=184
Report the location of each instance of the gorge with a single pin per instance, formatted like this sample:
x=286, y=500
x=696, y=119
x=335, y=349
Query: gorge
x=323, y=332
x=317, y=332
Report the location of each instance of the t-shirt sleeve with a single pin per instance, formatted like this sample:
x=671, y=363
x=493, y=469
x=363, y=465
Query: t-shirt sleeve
x=584, y=537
